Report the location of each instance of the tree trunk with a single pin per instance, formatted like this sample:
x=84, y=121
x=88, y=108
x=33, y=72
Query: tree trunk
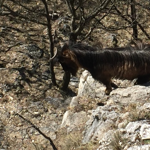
x=51, y=42
x=134, y=22
x=72, y=38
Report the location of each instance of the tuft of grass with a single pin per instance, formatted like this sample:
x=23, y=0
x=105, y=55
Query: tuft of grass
x=118, y=142
x=73, y=140
x=139, y=115
x=146, y=142
x=135, y=114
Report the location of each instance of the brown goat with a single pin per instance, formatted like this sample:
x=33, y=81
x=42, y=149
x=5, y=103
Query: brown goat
x=106, y=64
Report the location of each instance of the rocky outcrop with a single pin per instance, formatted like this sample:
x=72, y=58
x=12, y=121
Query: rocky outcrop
x=120, y=119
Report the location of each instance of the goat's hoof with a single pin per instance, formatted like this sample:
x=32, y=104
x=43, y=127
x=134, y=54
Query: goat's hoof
x=107, y=92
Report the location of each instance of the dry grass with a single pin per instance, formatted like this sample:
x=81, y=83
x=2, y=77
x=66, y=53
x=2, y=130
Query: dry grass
x=118, y=142
x=73, y=140
x=146, y=142
x=135, y=114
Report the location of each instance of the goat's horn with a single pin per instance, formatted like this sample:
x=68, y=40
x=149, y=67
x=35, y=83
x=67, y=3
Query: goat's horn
x=54, y=55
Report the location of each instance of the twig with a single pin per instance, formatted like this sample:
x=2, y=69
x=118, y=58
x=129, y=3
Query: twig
x=37, y=129
x=130, y=22
x=17, y=44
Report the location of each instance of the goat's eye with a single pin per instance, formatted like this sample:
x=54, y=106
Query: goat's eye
x=65, y=54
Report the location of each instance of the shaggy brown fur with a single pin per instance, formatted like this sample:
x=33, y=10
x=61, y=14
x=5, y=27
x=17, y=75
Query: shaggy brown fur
x=106, y=64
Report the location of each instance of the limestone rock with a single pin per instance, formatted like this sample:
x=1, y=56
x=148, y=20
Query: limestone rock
x=141, y=147
x=100, y=122
x=145, y=131
x=124, y=113
x=72, y=120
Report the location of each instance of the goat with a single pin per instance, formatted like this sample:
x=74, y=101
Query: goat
x=106, y=64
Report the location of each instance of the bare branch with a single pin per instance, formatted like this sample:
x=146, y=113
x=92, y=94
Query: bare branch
x=97, y=10
x=70, y=4
x=88, y=19
x=16, y=14
x=72, y=10
x=143, y=30
x=143, y=5
x=130, y=22
x=51, y=40
x=88, y=34
x=37, y=129
x=106, y=14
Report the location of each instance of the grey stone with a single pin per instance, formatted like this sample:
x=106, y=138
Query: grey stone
x=141, y=147
x=72, y=120
x=133, y=126
x=110, y=118
x=145, y=131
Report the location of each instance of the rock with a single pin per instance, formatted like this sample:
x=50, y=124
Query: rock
x=122, y=124
x=73, y=120
x=106, y=140
x=33, y=50
x=146, y=106
x=74, y=81
x=49, y=131
x=74, y=102
x=145, y=131
x=141, y=147
x=139, y=130
x=54, y=102
x=101, y=121
x=113, y=117
x=130, y=94
x=132, y=127
x=83, y=84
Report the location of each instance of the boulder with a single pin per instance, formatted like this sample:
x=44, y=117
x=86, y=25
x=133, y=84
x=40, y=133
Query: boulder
x=124, y=113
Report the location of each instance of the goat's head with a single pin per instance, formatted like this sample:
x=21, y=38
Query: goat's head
x=67, y=58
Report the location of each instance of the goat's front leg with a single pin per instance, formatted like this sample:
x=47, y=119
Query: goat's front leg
x=108, y=89
x=107, y=83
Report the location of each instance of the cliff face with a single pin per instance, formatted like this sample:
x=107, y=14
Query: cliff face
x=118, y=121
